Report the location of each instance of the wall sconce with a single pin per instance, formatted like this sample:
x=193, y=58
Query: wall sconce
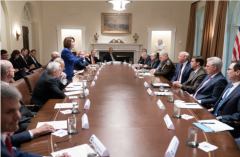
x=17, y=35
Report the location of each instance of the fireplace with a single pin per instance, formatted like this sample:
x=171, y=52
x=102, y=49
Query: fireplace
x=124, y=51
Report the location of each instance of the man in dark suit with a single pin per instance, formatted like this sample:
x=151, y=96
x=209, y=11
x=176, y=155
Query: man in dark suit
x=93, y=58
x=195, y=78
x=54, y=56
x=141, y=59
x=4, y=55
x=209, y=91
x=167, y=67
x=227, y=108
x=183, y=69
x=82, y=64
x=146, y=60
x=47, y=87
x=10, y=97
x=110, y=56
x=22, y=61
x=32, y=60
x=154, y=62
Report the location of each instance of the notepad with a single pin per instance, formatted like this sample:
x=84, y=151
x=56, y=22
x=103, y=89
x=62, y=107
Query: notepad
x=63, y=105
x=62, y=124
x=72, y=93
x=190, y=105
x=217, y=126
x=161, y=84
x=202, y=127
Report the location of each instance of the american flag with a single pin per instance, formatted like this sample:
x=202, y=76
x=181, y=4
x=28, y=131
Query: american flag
x=236, y=49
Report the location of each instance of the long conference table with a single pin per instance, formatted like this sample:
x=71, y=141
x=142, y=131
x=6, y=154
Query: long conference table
x=128, y=121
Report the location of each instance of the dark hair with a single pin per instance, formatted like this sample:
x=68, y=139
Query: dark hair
x=67, y=42
x=237, y=65
x=14, y=53
x=23, y=49
x=92, y=51
x=33, y=50
x=3, y=51
x=199, y=59
x=144, y=49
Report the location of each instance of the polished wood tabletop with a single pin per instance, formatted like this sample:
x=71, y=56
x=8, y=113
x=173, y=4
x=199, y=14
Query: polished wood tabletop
x=128, y=121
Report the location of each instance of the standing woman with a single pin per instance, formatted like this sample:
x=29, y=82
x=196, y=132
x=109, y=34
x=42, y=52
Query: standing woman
x=69, y=59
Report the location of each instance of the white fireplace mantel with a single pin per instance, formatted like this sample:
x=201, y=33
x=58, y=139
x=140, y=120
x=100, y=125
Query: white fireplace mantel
x=119, y=47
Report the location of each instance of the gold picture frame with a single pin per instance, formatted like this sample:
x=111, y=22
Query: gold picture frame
x=115, y=23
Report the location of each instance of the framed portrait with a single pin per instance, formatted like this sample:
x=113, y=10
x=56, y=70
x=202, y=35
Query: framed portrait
x=116, y=23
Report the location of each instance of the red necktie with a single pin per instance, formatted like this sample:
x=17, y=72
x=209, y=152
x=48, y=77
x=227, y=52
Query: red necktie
x=93, y=60
x=8, y=145
x=179, y=73
x=202, y=86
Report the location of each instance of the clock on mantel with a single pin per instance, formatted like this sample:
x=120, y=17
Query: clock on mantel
x=116, y=41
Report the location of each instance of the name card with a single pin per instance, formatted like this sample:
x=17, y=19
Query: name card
x=95, y=78
x=172, y=148
x=98, y=146
x=168, y=122
x=99, y=69
x=160, y=105
x=85, y=124
x=86, y=92
x=93, y=83
x=146, y=84
x=103, y=64
x=108, y=63
x=150, y=92
x=72, y=97
x=87, y=105
x=97, y=73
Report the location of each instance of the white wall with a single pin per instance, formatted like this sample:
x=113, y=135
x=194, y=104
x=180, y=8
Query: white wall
x=3, y=38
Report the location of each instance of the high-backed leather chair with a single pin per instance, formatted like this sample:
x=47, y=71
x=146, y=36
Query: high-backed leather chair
x=39, y=71
x=31, y=80
x=22, y=87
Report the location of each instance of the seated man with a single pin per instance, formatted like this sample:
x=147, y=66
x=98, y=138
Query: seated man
x=154, y=62
x=54, y=56
x=167, y=67
x=22, y=61
x=82, y=64
x=141, y=59
x=146, y=60
x=47, y=87
x=195, y=78
x=93, y=58
x=110, y=56
x=227, y=107
x=32, y=60
x=209, y=91
x=7, y=73
x=4, y=55
x=183, y=68
x=10, y=116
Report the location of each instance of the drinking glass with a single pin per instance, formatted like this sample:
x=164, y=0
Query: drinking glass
x=91, y=72
x=176, y=111
x=89, y=78
x=75, y=107
x=130, y=62
x=82, y=94
x=161, y=88
x=105, y=61
x=152, y=79
x=72, y=129
x=170, y=98
x=192, y=137
x=136, y=74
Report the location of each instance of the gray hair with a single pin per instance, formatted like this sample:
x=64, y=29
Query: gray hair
x=52, y=66
x=186, y=54
x=216, y=61
x=144, y=54
x=164, y=53
x=54, y=54
x=59, y=60
x=10, y=92
x=154, y=54
x=5, y=65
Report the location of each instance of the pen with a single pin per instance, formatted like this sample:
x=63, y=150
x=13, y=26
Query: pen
x=191, y=104
x=207, y=123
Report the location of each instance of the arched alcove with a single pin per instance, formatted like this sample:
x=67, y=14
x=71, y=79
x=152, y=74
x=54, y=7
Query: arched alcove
x=6, y=28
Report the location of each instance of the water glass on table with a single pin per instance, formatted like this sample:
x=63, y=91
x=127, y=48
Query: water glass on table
x=192, y=137
x=72, y=125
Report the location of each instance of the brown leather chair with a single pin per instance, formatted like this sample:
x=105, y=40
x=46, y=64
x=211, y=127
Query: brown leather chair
x=39, y=71
x=22, y=87
x=31, y=80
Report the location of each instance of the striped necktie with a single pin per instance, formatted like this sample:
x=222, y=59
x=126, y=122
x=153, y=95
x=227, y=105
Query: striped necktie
x=202, y=86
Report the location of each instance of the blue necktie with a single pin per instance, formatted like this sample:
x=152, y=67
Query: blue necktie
x=159, y=66
x=192, y=75
x=221, y=102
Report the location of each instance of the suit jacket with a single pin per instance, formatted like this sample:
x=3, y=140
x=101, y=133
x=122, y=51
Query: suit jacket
x=147, y=62
x=81, y=65
x=185, y=74
x=22, y=63
x=211, y=91
x=70, y=60
x=108, y=58
x=194, y=81
x=230, y=109
x=154, y=64
x=17, y=140
x=166, y=69
x=15, y=64
x=30, y=62
x=95, y=58
x=140, y=60
x=46, y=88
x=21, y=73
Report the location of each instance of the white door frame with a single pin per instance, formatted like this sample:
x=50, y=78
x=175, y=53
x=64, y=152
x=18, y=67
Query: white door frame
x=59, y=30
x=173, y=31
x=28, y=24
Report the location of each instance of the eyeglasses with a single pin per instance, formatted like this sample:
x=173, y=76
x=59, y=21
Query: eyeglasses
x=229, y=69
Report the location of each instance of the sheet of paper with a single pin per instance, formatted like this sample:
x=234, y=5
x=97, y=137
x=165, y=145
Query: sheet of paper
x=72, y=93
x=215, y=125
x=79, y=72
x=77, y=151
x=162, y=93
x=63, y=105
x=66, y=111
x=76, y=84
x=148, y=74
x=186, y=117
x=140, y=77
x=205, y=146
x=60, y=133
x=190, y=105
x=161, y=84
x=72, y=97
x=56, y=124
x=74, y=89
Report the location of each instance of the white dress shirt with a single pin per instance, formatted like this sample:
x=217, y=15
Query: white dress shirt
x=112, y=57
x=183, y=67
